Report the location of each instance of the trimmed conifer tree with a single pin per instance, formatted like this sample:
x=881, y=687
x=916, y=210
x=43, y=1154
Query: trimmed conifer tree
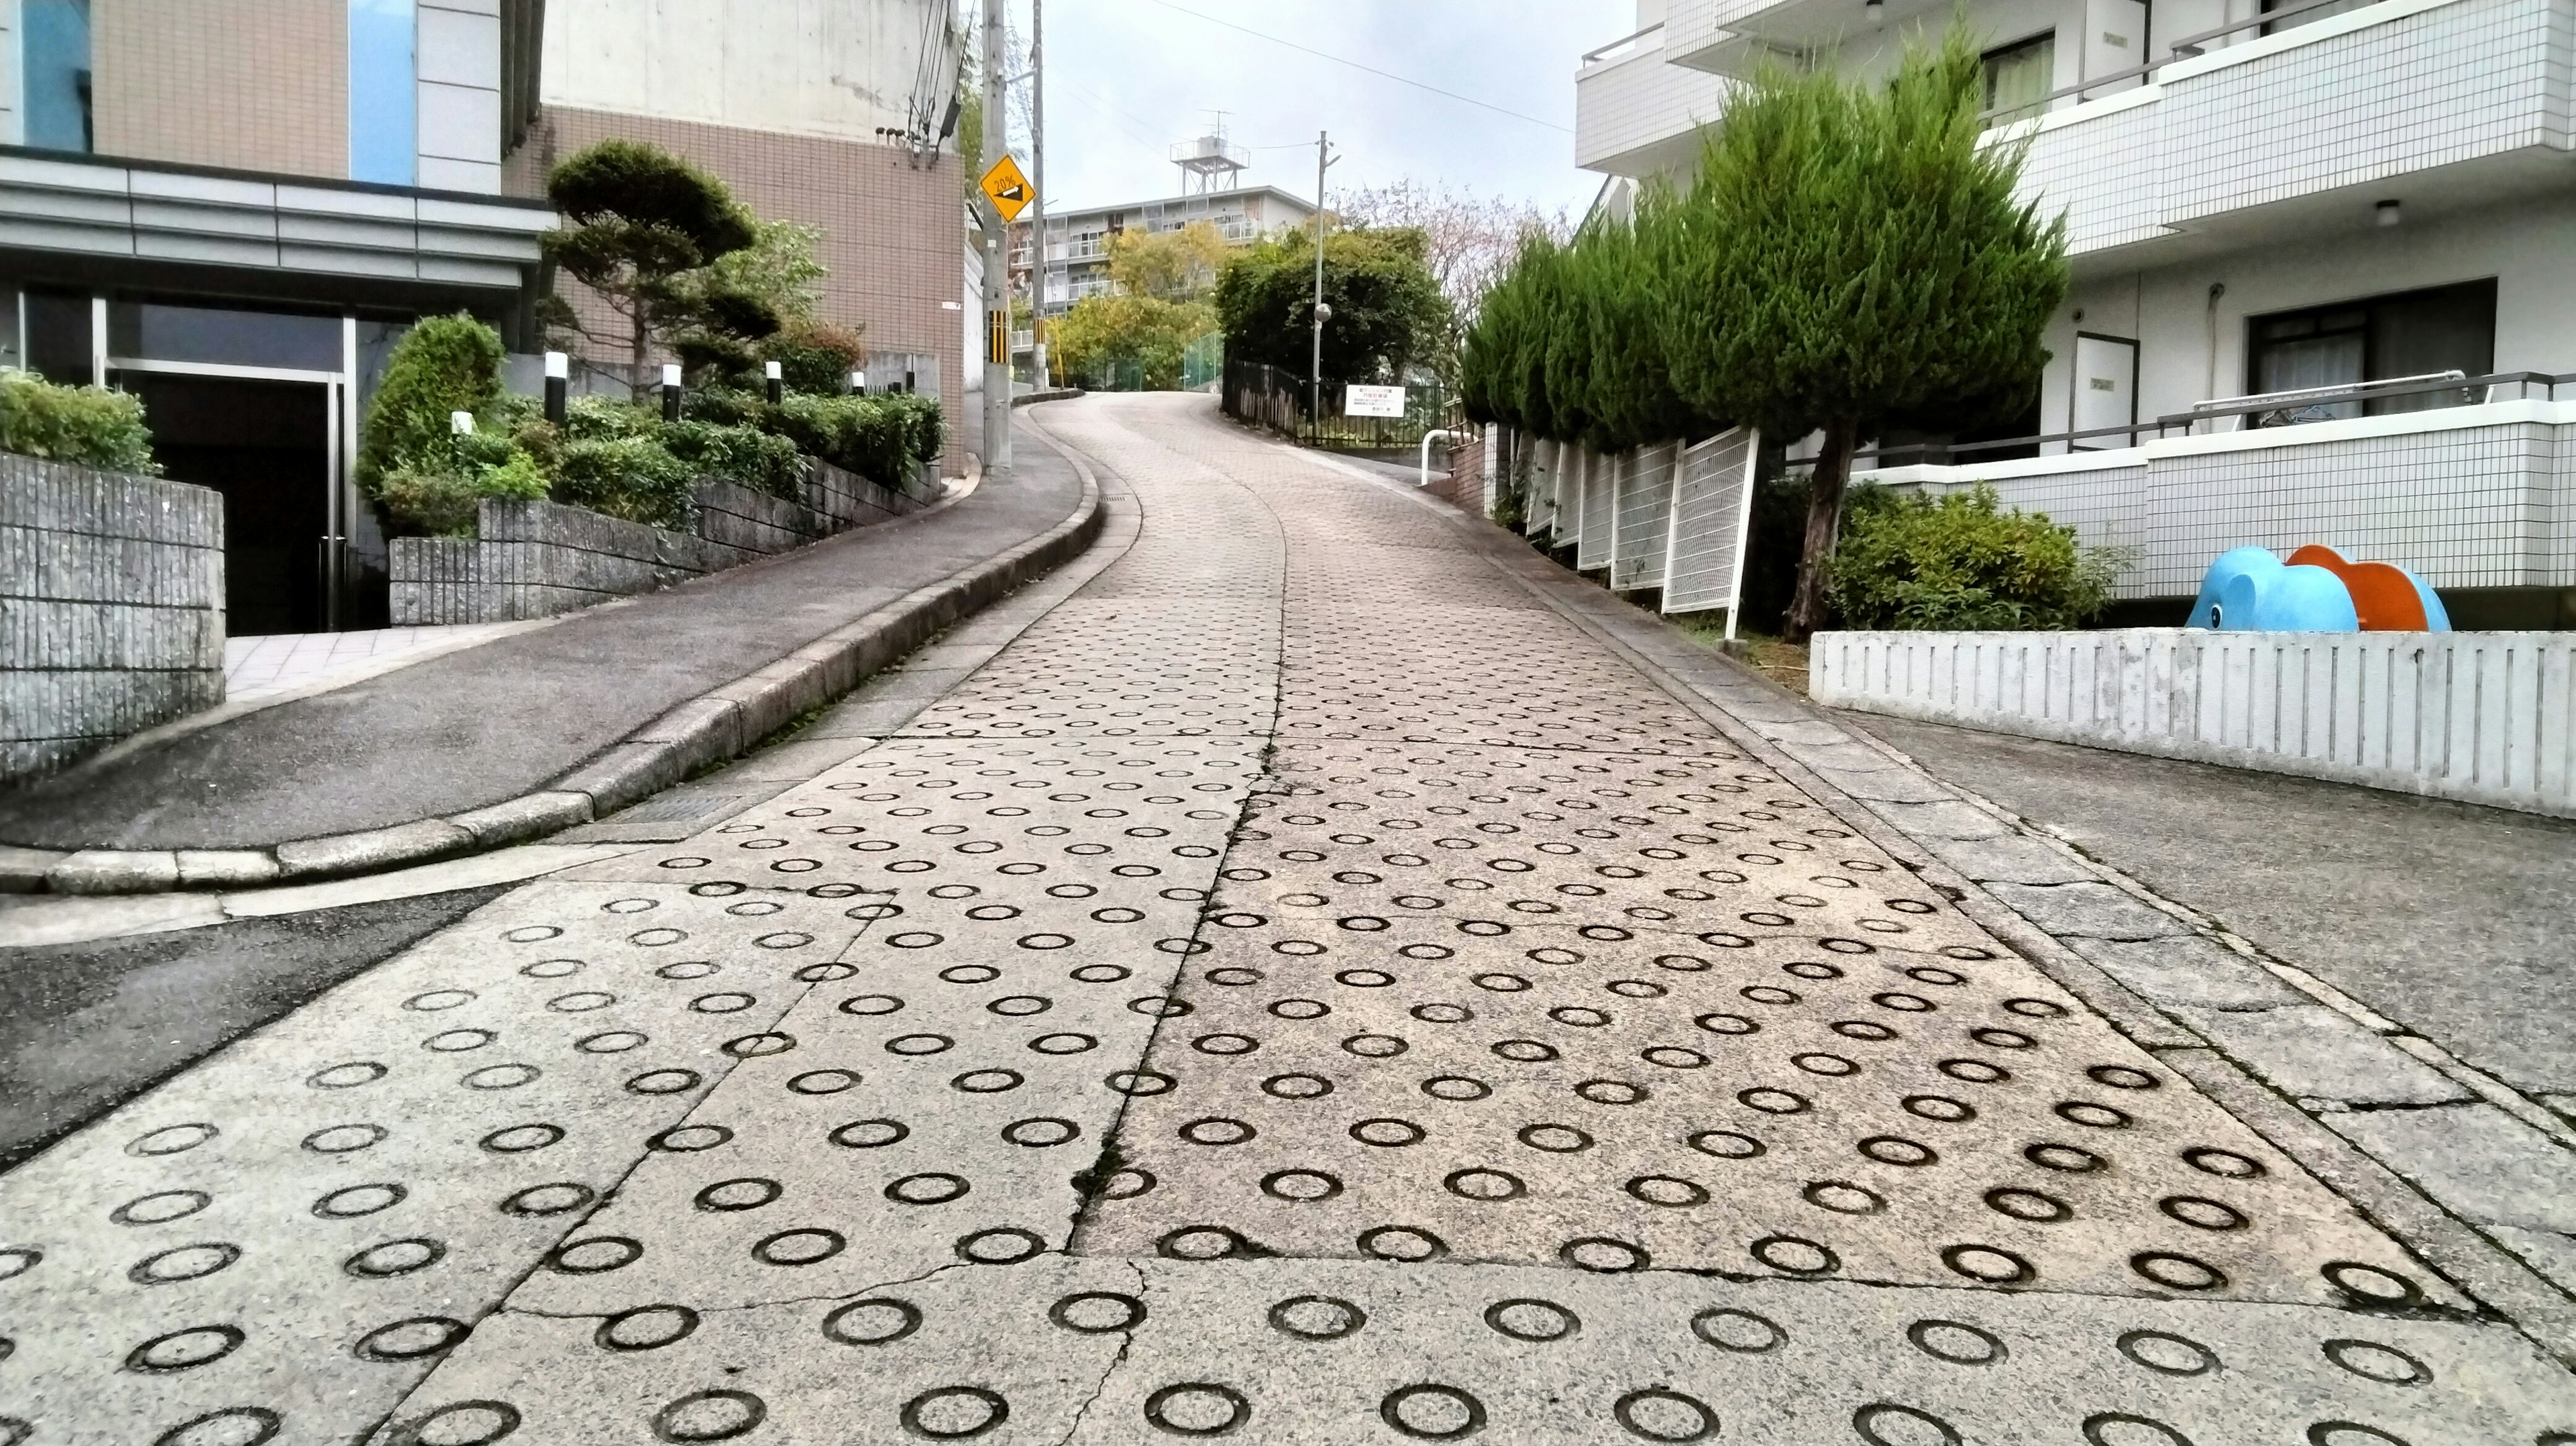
x=1853, y=257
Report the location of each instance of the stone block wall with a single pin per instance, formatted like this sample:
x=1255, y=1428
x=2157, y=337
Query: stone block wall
x=537, y=559
x=111, y=609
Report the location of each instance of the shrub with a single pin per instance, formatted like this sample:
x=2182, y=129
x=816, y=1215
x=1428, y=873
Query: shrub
x=443, y=504
x=1960, y=562
x=743, y=455
x=444, y=364
x=633, y=477
x=814, y=357
x=881, y=438
x=91, y=426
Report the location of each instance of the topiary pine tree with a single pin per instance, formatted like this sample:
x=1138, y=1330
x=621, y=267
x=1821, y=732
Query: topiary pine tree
x=643, y=222
x=1853, y=257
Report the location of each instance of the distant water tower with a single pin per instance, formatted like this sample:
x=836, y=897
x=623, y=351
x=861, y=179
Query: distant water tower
x=1210, y=160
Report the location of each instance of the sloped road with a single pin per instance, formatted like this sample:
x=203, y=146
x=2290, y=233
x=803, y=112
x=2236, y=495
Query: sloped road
x=1303, y=990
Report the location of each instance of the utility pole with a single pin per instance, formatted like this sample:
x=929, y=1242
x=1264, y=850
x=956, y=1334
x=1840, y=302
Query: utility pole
x=1037, y=203
x=997, y=261
x=1323, y=313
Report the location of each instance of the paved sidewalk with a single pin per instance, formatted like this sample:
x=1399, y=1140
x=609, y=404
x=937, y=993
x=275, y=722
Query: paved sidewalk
x=267, y=665
x=1325, y=980
x=490, y=723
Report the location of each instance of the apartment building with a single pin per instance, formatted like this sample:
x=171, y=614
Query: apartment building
x=234, y=208
x=831, y=115
x=2319, y=249
x=1077, y=249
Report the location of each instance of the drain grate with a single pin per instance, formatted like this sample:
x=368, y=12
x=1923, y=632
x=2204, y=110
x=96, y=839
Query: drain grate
x=680, y=808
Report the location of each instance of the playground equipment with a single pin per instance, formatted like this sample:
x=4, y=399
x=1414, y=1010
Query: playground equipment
x=2252, y=589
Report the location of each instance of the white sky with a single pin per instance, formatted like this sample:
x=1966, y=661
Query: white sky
x=1126, y=79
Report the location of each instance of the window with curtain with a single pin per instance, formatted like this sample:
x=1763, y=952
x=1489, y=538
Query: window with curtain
x=54, y=36
x=2379, y=338
x=383, y=100
x=2019, y=74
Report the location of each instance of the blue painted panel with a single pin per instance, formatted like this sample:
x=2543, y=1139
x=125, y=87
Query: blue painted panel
x=56, y=41
x=384, y=97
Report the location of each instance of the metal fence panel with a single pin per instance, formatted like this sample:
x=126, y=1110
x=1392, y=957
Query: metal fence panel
x=1600, y=477
x=1538, y=507
x=1709, y=503
x=1645, y=520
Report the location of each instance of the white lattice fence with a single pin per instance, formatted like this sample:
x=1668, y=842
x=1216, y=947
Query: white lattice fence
x=1712, y=503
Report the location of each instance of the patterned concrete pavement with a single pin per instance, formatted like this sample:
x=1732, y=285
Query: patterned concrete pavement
x=1302, y=989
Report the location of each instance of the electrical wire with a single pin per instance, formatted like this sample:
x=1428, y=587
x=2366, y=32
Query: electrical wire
x=1371, y=69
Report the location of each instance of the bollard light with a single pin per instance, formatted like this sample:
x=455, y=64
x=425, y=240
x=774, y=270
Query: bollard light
x=461, y=423
x=777, y=382
x=558, y=384
x=670, y=392
x=858, y=384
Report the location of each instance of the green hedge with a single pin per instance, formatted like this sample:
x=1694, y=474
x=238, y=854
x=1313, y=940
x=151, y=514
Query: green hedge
x=610, y=455
x=91, y=426
x=1961, y=562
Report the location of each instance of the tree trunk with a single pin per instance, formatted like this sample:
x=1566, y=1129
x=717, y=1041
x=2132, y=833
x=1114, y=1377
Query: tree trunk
x=1824, y=524
x=640, y=389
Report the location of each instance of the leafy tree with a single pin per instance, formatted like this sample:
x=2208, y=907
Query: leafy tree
x=1852, y=259
x=1387, y=311
x=644, y=225
x=1173, y=265
x=443, y=365
x=1120, y=330
x=1469, y=244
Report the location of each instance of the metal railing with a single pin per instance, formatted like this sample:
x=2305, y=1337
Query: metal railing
x=1620, y=47
x=2265, y=410
x=1281, y=400
x=2189, y=47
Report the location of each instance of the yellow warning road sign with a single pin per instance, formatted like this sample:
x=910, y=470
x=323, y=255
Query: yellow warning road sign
x=1009, y=191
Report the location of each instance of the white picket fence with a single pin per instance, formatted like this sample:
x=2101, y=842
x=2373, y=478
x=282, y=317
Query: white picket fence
x=1671, y=518
x=2480, y=717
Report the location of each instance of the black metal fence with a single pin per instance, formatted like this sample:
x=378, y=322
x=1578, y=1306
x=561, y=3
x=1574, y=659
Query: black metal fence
x=1283, y=401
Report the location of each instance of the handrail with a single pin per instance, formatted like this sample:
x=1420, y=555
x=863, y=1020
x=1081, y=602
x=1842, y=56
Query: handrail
x=2187, y=48
x=1623, y=41
x=1928, y=452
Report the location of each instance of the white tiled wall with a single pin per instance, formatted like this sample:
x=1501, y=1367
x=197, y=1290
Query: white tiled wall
x=1624, y=105
x=2471, y=498
x=2395, y=88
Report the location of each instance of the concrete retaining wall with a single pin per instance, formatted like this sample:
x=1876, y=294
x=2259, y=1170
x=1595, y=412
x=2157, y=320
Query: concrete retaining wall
x=111, y=609
x=2481, y=717
x=537, y=559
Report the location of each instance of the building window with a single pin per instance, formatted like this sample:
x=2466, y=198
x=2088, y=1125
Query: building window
x=55, y=37
x=384, y=98
x=2379, y=338
x=2020, y=74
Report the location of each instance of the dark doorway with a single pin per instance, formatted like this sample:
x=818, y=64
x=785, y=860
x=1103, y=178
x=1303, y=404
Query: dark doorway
x=267, y=447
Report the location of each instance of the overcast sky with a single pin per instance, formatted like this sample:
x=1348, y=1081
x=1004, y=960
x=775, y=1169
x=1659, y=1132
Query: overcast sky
x=1126, y=79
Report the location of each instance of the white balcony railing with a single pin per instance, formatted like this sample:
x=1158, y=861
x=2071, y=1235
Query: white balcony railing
x=2351, y=99
x=1636, y=115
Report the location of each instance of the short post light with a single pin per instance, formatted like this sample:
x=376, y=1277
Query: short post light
x=777, y=382
x=558, y=384
x=858, y=384
x=461, y=423
x=670, y=391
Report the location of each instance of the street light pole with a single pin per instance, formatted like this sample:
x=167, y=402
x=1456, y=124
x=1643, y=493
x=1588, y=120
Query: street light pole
x=997, y=261
x=1323, y=313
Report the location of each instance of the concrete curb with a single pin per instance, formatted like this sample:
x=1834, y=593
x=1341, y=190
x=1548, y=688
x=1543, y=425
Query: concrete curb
x=709, y=728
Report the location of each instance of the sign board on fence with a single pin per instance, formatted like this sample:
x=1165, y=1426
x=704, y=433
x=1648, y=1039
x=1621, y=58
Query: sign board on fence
x=1359, y=401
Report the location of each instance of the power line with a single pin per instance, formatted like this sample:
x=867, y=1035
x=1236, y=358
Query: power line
x=1371, y=69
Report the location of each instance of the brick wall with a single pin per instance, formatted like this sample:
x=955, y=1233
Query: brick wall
x=111, y=609
x=255, y=86
x=893, y=235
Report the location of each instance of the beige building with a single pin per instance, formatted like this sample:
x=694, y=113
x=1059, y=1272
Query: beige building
x=235, y=207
